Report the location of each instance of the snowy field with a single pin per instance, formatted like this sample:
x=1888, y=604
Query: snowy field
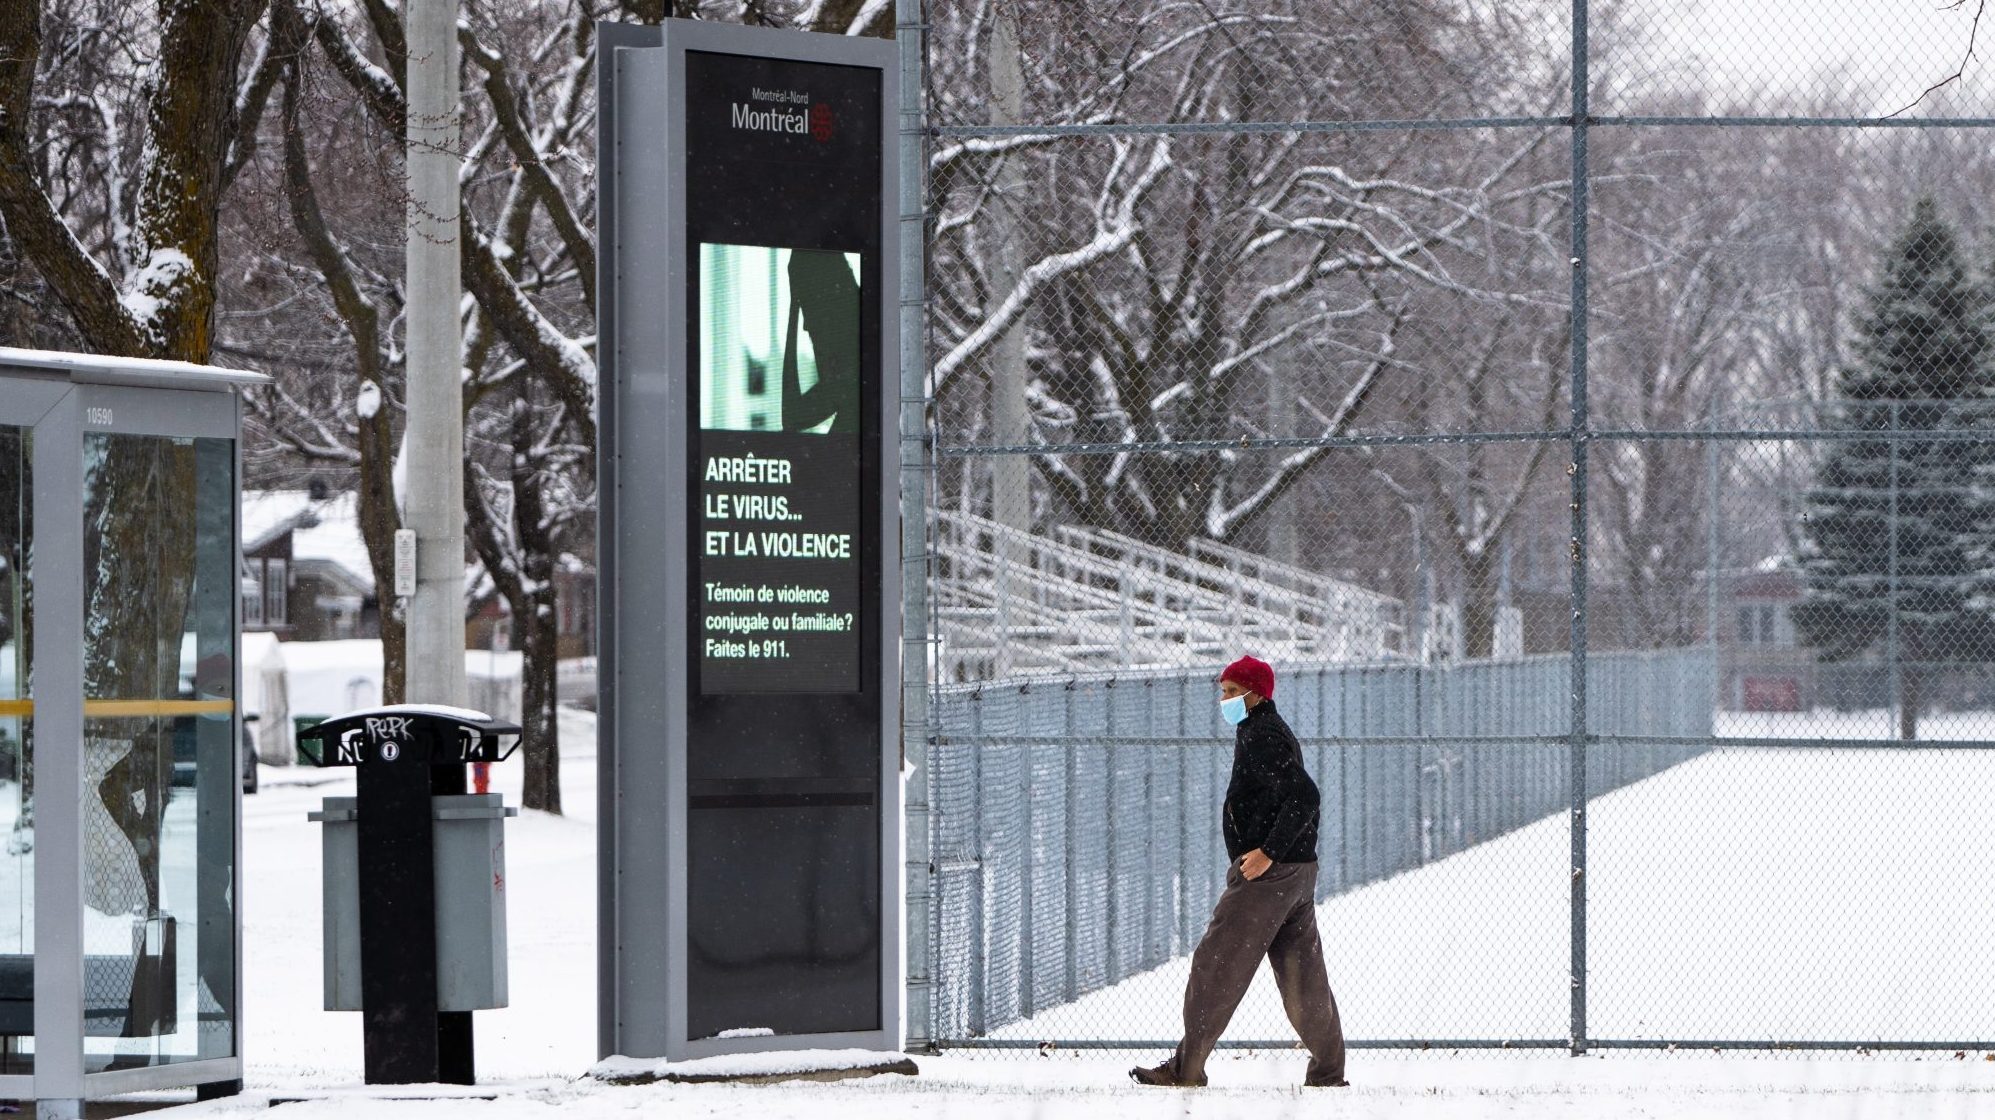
x=1775, y=894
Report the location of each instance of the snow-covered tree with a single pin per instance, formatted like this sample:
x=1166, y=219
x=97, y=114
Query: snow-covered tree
x=1211, y=288
x=528, y=269
x=1890, y=523
x=117, y=128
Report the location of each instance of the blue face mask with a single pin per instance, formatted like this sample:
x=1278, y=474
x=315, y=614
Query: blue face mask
x=1234, y=709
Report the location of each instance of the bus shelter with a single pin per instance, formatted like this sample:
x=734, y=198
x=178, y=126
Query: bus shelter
x=120, y=771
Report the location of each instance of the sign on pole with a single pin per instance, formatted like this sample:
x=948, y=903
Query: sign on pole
x=748, y=582
x=405, y=563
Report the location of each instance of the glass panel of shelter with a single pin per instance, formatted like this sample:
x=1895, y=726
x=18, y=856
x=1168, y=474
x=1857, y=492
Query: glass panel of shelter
x=17, y=818
x=159, y=750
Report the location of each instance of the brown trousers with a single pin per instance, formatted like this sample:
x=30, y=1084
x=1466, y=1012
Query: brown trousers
x=1272, y=916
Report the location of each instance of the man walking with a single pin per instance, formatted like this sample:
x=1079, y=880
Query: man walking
x=1269, y=905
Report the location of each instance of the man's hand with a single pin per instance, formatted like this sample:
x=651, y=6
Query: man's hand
x=1255, y=863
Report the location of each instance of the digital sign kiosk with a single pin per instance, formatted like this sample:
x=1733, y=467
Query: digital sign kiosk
x=750, y=750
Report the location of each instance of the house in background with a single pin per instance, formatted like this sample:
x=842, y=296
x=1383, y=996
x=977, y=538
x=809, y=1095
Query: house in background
x=308, y=589
x=306, y=578
x=490, y=625
x=1763, y=665
x=305, y=571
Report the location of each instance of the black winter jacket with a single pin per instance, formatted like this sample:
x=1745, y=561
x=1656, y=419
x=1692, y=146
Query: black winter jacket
x=1271, y=803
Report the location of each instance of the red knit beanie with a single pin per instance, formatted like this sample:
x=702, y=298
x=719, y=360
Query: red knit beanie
x=1252, y=674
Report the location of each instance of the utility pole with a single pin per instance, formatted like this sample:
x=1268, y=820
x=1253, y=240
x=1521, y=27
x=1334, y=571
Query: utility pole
x=434, y=448
x=1011, y=480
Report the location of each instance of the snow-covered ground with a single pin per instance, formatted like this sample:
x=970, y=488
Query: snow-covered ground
x=1750, y=894
x=1774, y=894
x=1427, y=1087
x=1877, y=724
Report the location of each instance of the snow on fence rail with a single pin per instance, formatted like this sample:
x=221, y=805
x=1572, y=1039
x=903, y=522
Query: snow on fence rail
x=1075, y=824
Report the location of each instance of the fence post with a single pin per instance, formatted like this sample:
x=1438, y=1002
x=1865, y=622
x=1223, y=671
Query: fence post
x=1073, y=940
x=1577, y=468
x=1147, y=947
x=1892, y=654
x=911, y=27
x=1185, y=825
x=1028, y=931
x=1712, y=576
x=1111, y=755
x=980, y=907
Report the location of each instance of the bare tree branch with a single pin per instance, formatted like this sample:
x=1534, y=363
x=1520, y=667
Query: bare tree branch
x=250, y=103
x=380, y=91
x=1973, y=33
x=82, y=285
x=531, y=158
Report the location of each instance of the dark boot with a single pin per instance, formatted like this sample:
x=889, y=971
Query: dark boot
x=1325, y=1083
x=1165, y=1075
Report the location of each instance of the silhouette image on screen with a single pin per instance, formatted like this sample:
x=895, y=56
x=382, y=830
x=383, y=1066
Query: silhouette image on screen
x=824, y=298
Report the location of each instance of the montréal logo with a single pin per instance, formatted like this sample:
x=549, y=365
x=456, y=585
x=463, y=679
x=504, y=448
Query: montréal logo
x=818, y=122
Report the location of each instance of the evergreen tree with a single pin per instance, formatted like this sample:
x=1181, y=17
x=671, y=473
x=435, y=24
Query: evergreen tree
x=1888, y=560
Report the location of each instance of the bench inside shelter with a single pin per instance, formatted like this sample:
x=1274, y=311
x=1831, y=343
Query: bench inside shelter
x=111, y=1001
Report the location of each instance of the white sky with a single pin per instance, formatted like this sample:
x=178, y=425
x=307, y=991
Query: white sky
x=1897, y=48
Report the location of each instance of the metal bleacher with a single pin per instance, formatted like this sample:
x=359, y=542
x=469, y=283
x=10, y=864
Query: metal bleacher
x=1079, y=600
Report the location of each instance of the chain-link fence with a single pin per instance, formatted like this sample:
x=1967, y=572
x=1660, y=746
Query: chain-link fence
x=1585, y=407
x=1076, y=840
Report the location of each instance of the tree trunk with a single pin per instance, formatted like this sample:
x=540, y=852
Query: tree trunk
x=535, y=618
x=538, y=721
x=1479, y=603
x=378, y=521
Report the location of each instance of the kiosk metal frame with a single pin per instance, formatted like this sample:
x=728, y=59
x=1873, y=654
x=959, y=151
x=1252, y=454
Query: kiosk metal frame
x=646, y=645
x=62, y=399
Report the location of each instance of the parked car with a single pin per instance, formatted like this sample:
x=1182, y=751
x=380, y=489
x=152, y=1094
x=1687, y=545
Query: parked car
x=183, y=752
